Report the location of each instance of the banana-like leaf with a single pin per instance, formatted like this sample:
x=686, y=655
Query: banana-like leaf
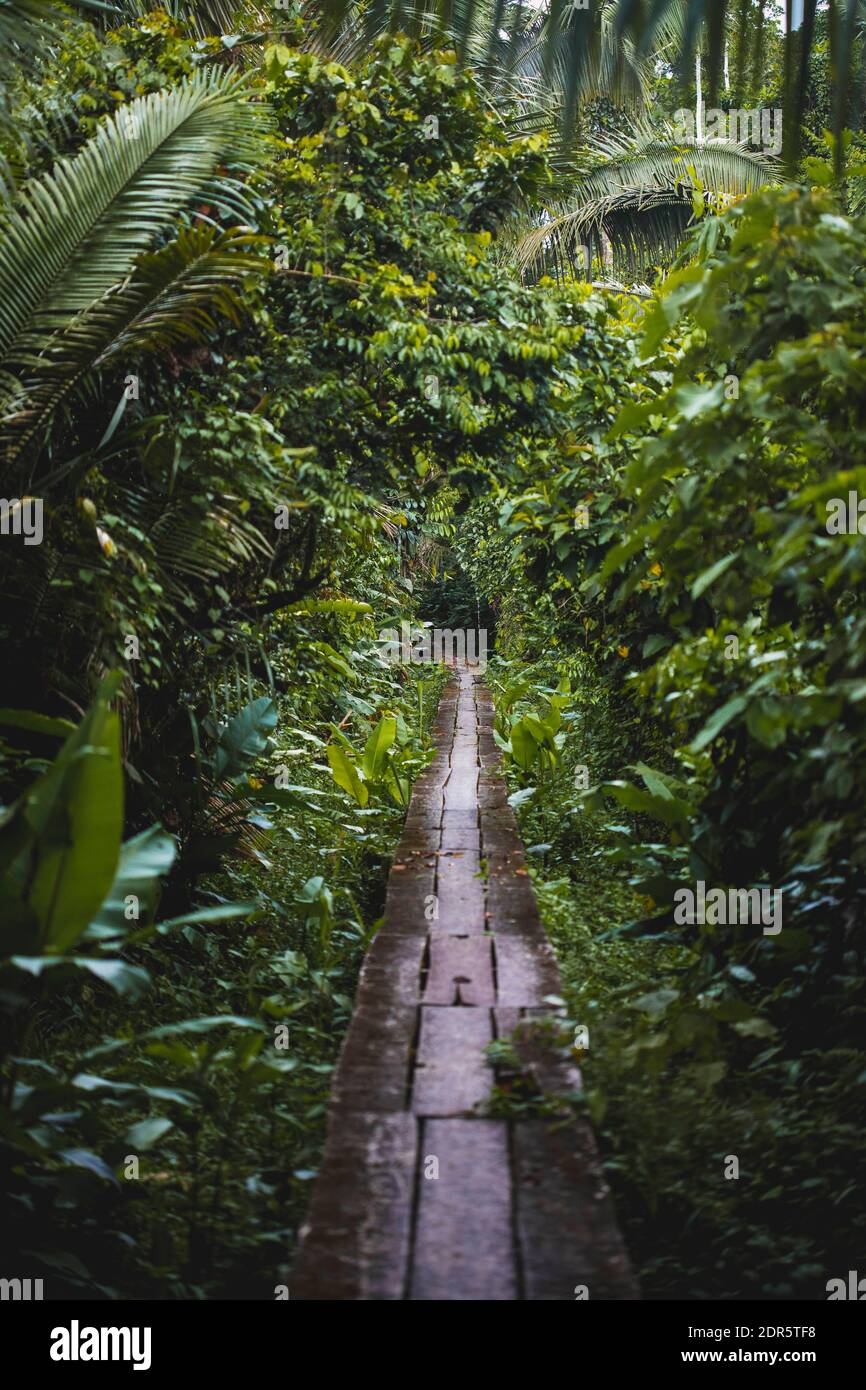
x=346, y=776
x=143, y=861
x=59, y=846
x=375, y=753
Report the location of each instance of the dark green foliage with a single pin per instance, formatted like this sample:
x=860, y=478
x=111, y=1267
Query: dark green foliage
x=271, y=370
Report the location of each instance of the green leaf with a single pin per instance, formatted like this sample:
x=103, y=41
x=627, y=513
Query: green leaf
x=76, y=812
x=375, y=753
x=709, y=576
x=122, y=977
x=146, y=1133
x=201, y=1025
x=524, y=745
x=345, y=775
x=718, y=721
x=245, y=738
x=143, y=861
x=83, y=1158
x=36, y=723
x=344, y=607
x=656, y=1003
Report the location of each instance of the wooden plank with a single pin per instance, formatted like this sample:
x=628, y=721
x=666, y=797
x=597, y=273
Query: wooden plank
x=512, y=908
x=506, y=864
x=460, y=831
x=393, y=966
x=461, y=789
x=460, y=892
x=497, y=818
x=452, y=1073
x=375, y=1061
x=355, y=1243
x=498, y=842
x=464, y=1247
x=492, y=792
x=423, y=818
x=461, y=970
x=526, y=971
x=566, y=1224
x=433, y=778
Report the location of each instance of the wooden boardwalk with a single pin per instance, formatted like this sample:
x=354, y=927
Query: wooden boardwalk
x=420, y=1196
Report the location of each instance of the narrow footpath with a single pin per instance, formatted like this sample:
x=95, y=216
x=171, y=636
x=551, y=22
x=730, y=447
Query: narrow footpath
x=421, y=1196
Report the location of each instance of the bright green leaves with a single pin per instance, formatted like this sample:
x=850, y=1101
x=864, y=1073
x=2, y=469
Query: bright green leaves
x=345, y=774
x=531, y=738
x=381, y=768
x=381, y=740
x=143, y=862
x=65, y=877
x=317, y=903
x=59, y=845
x=663, y=798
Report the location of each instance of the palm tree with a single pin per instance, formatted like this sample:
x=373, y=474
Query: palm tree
x=631, y=197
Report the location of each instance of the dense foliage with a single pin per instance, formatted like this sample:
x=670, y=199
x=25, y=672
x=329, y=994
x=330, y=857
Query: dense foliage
x=270, y=369
x=713, y=601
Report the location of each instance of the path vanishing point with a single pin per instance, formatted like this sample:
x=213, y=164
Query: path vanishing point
x=519, y=1209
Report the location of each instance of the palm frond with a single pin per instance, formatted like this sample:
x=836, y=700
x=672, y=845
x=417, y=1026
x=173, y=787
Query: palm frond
x=635, y=193
x=173, y=295
x=74, y=233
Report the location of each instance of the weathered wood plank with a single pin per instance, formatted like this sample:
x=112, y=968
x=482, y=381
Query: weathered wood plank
x=461, y=790
x=464, y=1247
x=460, y=892
x=511, y=906
x=566, y=1225
x=355, y=1243
x=393, y=966
x=460, y=830
x=461, y=971
x=526, y=971
x=452, y=1073
x=375, y=1065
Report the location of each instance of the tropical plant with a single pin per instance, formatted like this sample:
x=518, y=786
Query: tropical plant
x=632, y=198
x=72, y=298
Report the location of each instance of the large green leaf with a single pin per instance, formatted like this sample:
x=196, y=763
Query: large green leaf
x=245, y=738
x=718, y=721
x=60, y=845
x=375, y=752
x=143, y=861
x=346, y=776
x=35, y=723
x=524, y=745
